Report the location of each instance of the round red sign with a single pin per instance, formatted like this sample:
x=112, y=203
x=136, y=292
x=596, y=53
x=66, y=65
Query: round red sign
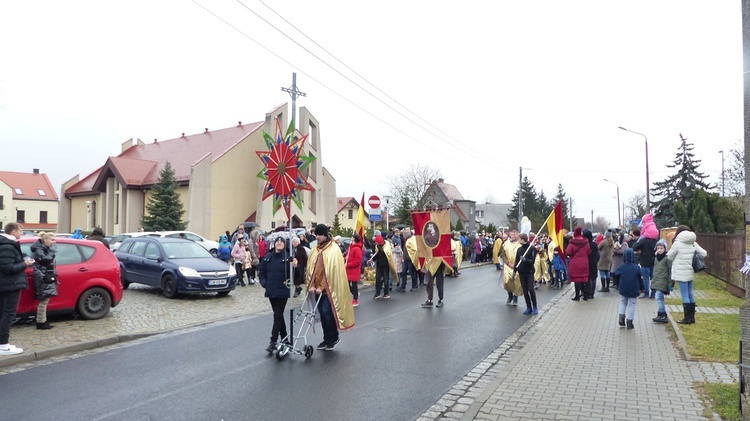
x=374, y=202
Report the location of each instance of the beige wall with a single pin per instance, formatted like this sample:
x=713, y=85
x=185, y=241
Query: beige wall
x=198, y=209
x=350, y=223
x=8, y=213
x=78, y=212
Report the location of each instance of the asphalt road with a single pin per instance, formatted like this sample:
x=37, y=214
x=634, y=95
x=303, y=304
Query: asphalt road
x=396, y=362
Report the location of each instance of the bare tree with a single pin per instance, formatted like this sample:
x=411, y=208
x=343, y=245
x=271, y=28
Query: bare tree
x=734, y=177
x=635, y=208
x=412, y=183
x=601, y=224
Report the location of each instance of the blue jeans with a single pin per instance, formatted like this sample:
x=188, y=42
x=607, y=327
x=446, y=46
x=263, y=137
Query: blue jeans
x=628, y=302
x=647, y=273
x=603, y=274
x=686, y=291
x=328, y=321
x=660, y=302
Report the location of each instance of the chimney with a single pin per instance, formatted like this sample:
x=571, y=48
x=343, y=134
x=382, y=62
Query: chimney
x=36, y=170
x=239, y=124
x=440, y=180
x=154, y=140
x=183, y=134
x=206, y=130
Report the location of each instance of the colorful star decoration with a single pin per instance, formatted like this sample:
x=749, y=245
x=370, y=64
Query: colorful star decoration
x=284, y=169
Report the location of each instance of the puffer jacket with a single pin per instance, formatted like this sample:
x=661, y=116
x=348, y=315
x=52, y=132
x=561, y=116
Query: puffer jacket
x=273, y=272
x=681, y=256
x=617, y=256
x=578, y=250
x=661, y=281
x=44, y=262
x=354, y=262
x=649, y=229
x=12, y=266
x=631, y=280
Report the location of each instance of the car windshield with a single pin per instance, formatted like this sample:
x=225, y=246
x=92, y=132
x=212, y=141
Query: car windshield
x=185, y=250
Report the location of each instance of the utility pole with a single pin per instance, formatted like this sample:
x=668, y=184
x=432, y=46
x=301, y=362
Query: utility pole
x=722, y=172
x=592, y=221
x=570, y=212
x=520, y=196
x=294, y=93
x=745, y=307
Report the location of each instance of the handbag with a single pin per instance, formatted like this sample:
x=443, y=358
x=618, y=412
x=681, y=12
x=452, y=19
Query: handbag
x=255, y=261
x=699, y=263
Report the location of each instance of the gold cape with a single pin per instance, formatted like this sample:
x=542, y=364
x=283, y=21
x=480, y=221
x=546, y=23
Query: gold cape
x=336, y=283
x=411, y=248
x=497, y=247
x=457, y=248
x=391, y=264
x=508, y=254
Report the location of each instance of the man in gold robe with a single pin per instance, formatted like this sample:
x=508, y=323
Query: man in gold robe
x=326, y=277
x=511, y=280
x=497, y=247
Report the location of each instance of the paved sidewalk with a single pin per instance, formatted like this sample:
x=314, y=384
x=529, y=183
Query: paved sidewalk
x=582, y=365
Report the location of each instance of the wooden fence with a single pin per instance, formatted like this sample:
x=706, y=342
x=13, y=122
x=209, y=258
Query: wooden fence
x=726, y=255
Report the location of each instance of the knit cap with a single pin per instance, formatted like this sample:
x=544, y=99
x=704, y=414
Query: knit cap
x=663, y=242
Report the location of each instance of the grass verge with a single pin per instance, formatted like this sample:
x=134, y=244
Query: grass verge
x=713, y=337
x=723, y=398
x=714, y=288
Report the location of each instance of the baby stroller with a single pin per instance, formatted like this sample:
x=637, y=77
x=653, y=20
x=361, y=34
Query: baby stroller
x=297, y=344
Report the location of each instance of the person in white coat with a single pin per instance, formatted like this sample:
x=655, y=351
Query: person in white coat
x=680, y=255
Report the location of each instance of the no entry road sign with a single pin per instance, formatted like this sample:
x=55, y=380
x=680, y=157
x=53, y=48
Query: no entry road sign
x=374, y=202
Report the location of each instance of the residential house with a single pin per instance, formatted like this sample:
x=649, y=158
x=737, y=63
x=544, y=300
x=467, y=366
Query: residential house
x=216, y=172
x=348, y=208
x=443, y=195
x=28, y=198
x=493, y=213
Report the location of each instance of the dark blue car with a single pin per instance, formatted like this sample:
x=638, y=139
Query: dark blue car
x=175, y=265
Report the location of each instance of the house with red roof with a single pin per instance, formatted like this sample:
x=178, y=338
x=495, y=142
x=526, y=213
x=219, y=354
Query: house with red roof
x=216, y=172
x=28, y=198
x=348, y=208
x=443, y=195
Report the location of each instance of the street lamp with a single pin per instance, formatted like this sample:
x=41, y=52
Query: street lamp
x=722, y=172
x=88, y=215
x=648, y=195
x=619, y=216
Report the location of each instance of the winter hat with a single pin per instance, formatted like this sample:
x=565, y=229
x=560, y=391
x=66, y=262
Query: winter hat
x=379, y=240
x=321, y=229
x=628, y=256
x=578, y=232
x=663, y=242
x=608, y=234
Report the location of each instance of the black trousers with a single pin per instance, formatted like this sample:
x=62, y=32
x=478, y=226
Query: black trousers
x=9, y=303
x=381, y=279
x=527, y=283
x=354, y=289
x=278, y=331
x=438, y=279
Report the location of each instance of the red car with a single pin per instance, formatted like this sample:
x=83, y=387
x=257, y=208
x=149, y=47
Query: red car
x=89, y=276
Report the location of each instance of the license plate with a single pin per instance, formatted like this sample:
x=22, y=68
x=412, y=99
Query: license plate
x=217, y=282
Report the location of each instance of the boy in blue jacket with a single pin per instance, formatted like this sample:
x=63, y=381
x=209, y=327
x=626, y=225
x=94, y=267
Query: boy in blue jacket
x=631, y=285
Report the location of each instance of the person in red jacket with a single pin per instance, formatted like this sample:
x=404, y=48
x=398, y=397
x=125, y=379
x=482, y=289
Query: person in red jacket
x=262, y=246
x=354, y=267
x=578, y=252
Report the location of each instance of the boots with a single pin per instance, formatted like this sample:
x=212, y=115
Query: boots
x=661, y=317
x=689, y=311
x=44, y=326
x=621, y=321
x=630, y=324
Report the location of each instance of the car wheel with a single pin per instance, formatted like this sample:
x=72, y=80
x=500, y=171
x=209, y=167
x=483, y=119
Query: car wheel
x=125, y=283
x=169, y=287
x=214, y=253
x=222, y=293
x=94, y=303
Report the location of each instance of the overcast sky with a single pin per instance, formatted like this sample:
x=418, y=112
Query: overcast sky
x=475, y=89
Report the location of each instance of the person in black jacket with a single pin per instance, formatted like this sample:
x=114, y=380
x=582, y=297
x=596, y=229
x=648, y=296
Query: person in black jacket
x=12, y=281
x=645, y=248
x=593, y=263
x=273, y=273
x=525, y=258
x=45, y=278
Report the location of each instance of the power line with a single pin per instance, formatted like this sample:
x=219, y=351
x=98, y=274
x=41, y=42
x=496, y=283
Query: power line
x=352, y=81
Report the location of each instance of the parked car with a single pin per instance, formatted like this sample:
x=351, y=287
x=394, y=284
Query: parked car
x=89, y=276
x=173, y=264
x=118, y=239
x=210, y=245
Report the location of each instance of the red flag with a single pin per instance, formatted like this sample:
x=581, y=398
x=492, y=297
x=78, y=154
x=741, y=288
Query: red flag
x=555, y=225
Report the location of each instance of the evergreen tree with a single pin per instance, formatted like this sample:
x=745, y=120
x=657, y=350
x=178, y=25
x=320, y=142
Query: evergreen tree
x=698, y=211
x=403, y=211
x=560, y=195
x=164, y=210
x=531, y=205
x=336, y=227
x=678, y=187
x=460, y=225
x=727, y=214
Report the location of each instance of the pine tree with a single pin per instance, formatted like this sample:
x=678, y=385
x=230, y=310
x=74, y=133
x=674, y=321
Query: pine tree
x=336, y=227
x=403, y=209
x=678, y=187
x=698, y=211
x=530, y=203
x=560, y=195
x=460, y=225
x=164, y=210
